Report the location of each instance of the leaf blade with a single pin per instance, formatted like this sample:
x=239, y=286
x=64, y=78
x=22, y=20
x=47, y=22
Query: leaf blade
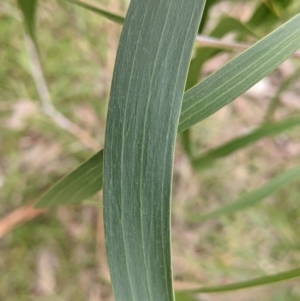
x=243, y=141
x=104, y=13
x=141, y=129
x=252, y=65
x=265, y=280
x=255, y=196
x=77, y=186
x=182, y=296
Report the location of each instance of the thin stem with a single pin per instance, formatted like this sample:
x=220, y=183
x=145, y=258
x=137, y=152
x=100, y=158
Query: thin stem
x=18, y=217
x=46, y=100
x=275, y=102
x=206, y=41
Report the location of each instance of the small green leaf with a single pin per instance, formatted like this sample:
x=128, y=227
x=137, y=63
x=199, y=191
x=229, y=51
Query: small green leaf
x=295, y=273
x=107, y=14
x=184, y=296
x=254, y=197
x=240, y=142
x=28, y=8
x=275, y=101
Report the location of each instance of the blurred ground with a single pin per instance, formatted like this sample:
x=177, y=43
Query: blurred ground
x=60, y=254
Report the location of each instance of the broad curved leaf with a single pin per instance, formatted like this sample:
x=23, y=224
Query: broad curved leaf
x=144, y=108
x=105, y=13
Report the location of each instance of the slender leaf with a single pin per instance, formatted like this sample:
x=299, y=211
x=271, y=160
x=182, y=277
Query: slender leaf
x=254, y=197
x=107, y=14
x=240, y=74
x=28, y=8
x=82, y=183
x=202, y=55
x=225, y=26
x=240, y=142
x=184, y=296
x=210, y=95
x=275, y=101
x=144, y=108
x=295, y=273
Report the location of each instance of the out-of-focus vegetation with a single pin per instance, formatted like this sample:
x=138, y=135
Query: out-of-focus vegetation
x=60, y=254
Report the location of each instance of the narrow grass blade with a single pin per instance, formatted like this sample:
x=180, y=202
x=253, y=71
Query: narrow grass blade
x=240, y=74
x=241, y=142
x=254, y=197
x=184, y=296
x=144, y=108
x=275, y=101
x=107, y=14
x=28, y=8
x=212, y=94
x=295, y=273
x=82, y=183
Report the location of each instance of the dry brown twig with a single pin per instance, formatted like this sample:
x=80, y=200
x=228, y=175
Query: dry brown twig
x=17, y=217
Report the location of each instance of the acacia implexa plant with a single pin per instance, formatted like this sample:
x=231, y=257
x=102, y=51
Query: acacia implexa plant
x=147, y=107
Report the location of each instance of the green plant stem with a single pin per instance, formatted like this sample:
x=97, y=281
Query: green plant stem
x=275, y=101
x=46, y=100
